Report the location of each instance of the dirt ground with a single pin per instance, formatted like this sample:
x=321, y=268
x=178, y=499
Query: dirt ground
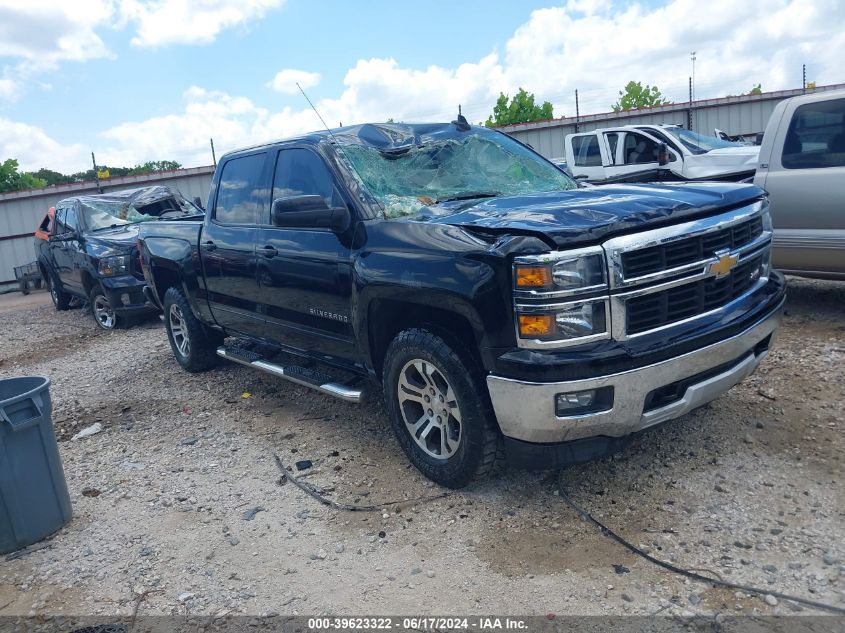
x=165, y=497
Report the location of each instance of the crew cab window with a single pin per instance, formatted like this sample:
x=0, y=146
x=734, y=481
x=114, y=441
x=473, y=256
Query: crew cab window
x=639, y=149
x=66, y=220
x=301, y=172
x=587, y=152
x=816, y=136
x=240, y=198
x=612, y=144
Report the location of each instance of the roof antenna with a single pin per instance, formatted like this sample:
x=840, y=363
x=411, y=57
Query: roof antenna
x=337, y=144
x=461, y=123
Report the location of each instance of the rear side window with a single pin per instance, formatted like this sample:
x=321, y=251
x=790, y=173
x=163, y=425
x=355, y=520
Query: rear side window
x=816, y=136
x=301, y=172
x=587, y=152
x=240, y=198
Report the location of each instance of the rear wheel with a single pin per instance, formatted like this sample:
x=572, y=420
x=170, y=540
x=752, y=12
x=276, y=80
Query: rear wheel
x=61, y=299
x=439, y=413
x=101, y=308
x=193, y=345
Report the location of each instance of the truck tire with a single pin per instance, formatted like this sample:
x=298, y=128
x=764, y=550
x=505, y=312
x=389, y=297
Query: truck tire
x=438, y=409
x=61, y=299
x=193, y=345
x=102, y=311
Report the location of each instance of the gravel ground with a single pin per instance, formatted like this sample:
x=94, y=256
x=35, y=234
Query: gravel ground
x=165, y=497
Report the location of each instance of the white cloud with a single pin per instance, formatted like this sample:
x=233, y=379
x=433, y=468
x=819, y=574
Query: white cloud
x=162, y=22
x=38, y=35
x=585, y=44
x=33, y=148
x=285, y=80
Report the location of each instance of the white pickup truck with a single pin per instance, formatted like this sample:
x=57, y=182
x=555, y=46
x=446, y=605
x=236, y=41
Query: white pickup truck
x=651, y=153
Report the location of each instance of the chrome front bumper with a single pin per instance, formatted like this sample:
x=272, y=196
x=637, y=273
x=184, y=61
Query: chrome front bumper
x=526, y=410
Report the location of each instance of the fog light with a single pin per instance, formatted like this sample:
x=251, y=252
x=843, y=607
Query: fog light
x=581, y=402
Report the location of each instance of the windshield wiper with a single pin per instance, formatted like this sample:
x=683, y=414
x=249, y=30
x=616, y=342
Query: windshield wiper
x=469, y=195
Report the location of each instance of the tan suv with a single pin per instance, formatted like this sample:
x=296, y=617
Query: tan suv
x=802, y=166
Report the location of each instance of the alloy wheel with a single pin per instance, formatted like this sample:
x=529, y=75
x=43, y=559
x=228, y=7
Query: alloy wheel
x=104, y=313
x=429, y=409
x=178, y=330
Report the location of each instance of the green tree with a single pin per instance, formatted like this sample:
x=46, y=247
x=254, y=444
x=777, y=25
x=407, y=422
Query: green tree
x=635, y=96
x=13, y=180
x=520, y=109
x=756, y=90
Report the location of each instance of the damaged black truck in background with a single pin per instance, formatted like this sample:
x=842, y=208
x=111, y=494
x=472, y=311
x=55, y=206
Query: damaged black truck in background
x=90, y=251
x=504, y=312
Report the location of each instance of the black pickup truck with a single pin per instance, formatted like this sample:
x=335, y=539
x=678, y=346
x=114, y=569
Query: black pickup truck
x=505, y=311
x=90, y=250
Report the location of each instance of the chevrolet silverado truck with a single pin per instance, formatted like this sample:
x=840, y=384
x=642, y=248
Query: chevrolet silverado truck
x=505, y=313
x=86, y=249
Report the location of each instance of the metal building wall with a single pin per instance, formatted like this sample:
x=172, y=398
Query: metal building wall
x=21, y=211
x=746, y=114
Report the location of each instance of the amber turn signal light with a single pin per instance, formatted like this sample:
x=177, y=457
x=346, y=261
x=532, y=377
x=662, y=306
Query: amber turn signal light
x=531, y=325
x=533, y=276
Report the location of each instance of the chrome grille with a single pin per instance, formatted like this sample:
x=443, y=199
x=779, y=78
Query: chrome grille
x=682, y=302
x=647, y=261
x=664, y=277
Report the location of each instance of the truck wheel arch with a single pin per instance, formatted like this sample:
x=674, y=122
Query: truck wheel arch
x=386, y=318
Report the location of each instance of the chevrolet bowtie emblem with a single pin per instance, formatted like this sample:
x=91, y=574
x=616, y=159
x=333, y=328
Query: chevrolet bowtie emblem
x=724, y=264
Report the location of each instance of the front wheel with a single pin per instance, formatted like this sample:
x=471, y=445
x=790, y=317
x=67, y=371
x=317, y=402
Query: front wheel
x=438, y=410
x=101, y=308
x=193, y=345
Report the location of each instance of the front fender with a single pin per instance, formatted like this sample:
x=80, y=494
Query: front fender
x=179, y=259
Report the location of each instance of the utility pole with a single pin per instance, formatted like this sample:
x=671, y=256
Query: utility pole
x=213, y=155
x=577, y=112
x=692, y=80
x=689, y=110
x=804, y=78
x=96, y=173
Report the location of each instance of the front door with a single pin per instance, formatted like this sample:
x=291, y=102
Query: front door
x=227, y=244
x=305, y=273
x=66, y=252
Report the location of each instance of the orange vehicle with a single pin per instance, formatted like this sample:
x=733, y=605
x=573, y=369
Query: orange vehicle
x=43, y=230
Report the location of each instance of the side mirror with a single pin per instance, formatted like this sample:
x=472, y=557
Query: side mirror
x=309, y=212
x=198, y=203
x=662, y=154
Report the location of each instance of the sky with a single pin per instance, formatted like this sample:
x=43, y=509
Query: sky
x=140, y=80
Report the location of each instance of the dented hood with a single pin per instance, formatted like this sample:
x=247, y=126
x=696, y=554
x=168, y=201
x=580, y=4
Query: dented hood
x=595, y=213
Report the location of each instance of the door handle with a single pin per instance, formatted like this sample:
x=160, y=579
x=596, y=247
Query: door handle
x=269, y=251
x=209, y=245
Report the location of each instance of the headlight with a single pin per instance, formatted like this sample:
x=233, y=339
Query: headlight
x=115, y=265
x=565, y=322
x=561, y=273
x=561, y=298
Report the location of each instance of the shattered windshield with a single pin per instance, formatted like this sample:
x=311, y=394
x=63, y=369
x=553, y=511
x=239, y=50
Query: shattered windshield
x=142, y=205
x=474, y=166
x=698, y=143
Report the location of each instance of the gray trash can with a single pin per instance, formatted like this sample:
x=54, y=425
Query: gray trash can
x=34, y=501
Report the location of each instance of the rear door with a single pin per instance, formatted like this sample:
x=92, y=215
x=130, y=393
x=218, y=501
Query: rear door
x=806, y=185
x=227, y=244
x=305, y=273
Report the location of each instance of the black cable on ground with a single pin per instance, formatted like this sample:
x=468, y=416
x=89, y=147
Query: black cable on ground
x=348, y=507
x=606, y=531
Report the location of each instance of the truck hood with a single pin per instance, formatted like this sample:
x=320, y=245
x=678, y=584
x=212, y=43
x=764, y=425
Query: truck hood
x=722, y=161
x=580, y=216
x=117, y=241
